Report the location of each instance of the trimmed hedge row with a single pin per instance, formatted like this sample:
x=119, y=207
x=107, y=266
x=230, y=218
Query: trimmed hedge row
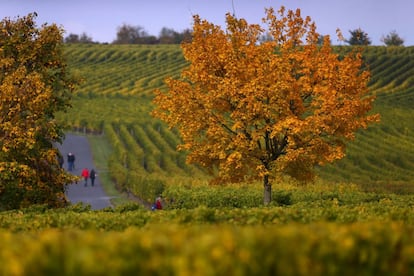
x=132, y=215
x=372, y=248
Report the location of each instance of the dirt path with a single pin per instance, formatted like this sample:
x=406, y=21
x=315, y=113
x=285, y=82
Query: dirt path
x=94, y=196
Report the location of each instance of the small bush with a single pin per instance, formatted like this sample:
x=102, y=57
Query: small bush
x=283, y=198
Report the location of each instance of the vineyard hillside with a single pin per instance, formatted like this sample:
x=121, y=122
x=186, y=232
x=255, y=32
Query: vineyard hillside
x=114, y=100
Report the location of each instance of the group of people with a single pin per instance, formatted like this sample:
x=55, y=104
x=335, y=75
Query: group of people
x=86, y=174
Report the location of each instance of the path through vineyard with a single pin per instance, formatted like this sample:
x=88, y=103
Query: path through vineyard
x=95, y=196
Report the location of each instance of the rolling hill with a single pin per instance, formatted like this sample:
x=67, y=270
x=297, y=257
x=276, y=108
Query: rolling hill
x=115, y=100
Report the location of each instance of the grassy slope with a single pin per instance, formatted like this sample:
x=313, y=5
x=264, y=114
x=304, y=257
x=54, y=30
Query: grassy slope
x=119, y=80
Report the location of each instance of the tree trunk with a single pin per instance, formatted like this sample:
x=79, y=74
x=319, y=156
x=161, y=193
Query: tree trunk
x=267, y=190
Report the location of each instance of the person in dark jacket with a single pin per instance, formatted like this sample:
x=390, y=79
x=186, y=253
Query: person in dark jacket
x=92, y=176
x=71, y=161
x=60, y=159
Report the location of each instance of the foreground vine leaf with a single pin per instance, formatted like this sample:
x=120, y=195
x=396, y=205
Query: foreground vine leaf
x=34, y=85
x=256, y=109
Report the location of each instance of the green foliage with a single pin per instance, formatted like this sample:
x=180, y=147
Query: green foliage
x=146, y=187
x=228, y=206
x=283, y=198
x=328, y=229
x=192, y=196
x=371, y=248
x=392, y=39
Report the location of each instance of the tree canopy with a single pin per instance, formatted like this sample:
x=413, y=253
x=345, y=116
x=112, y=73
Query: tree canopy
x=128, y=34
x=250, y=110
x=392, y=39
x=358, y=37
x=34, y=85
x=169, y=36
x=74, y=38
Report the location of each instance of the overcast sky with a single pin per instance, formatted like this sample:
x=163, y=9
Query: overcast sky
x=99, y=19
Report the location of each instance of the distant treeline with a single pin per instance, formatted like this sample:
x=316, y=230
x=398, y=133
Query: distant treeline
x=128, y=34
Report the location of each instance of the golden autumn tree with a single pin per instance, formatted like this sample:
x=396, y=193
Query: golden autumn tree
x=34, y=85
x=256, y=109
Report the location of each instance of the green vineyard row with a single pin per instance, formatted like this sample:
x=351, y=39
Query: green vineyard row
x=124, y=70
x=372, y=248
x=323, y=230
x=343, y=204
x=312, y=230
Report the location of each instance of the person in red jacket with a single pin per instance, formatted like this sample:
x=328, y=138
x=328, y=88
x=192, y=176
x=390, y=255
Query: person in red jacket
x=85, y=175
x=157, y=204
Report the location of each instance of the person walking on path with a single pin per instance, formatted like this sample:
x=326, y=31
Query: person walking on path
x=60, y=159
x=85, y=175
x=96, y=197
x=92, y=175
x=71, y=161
